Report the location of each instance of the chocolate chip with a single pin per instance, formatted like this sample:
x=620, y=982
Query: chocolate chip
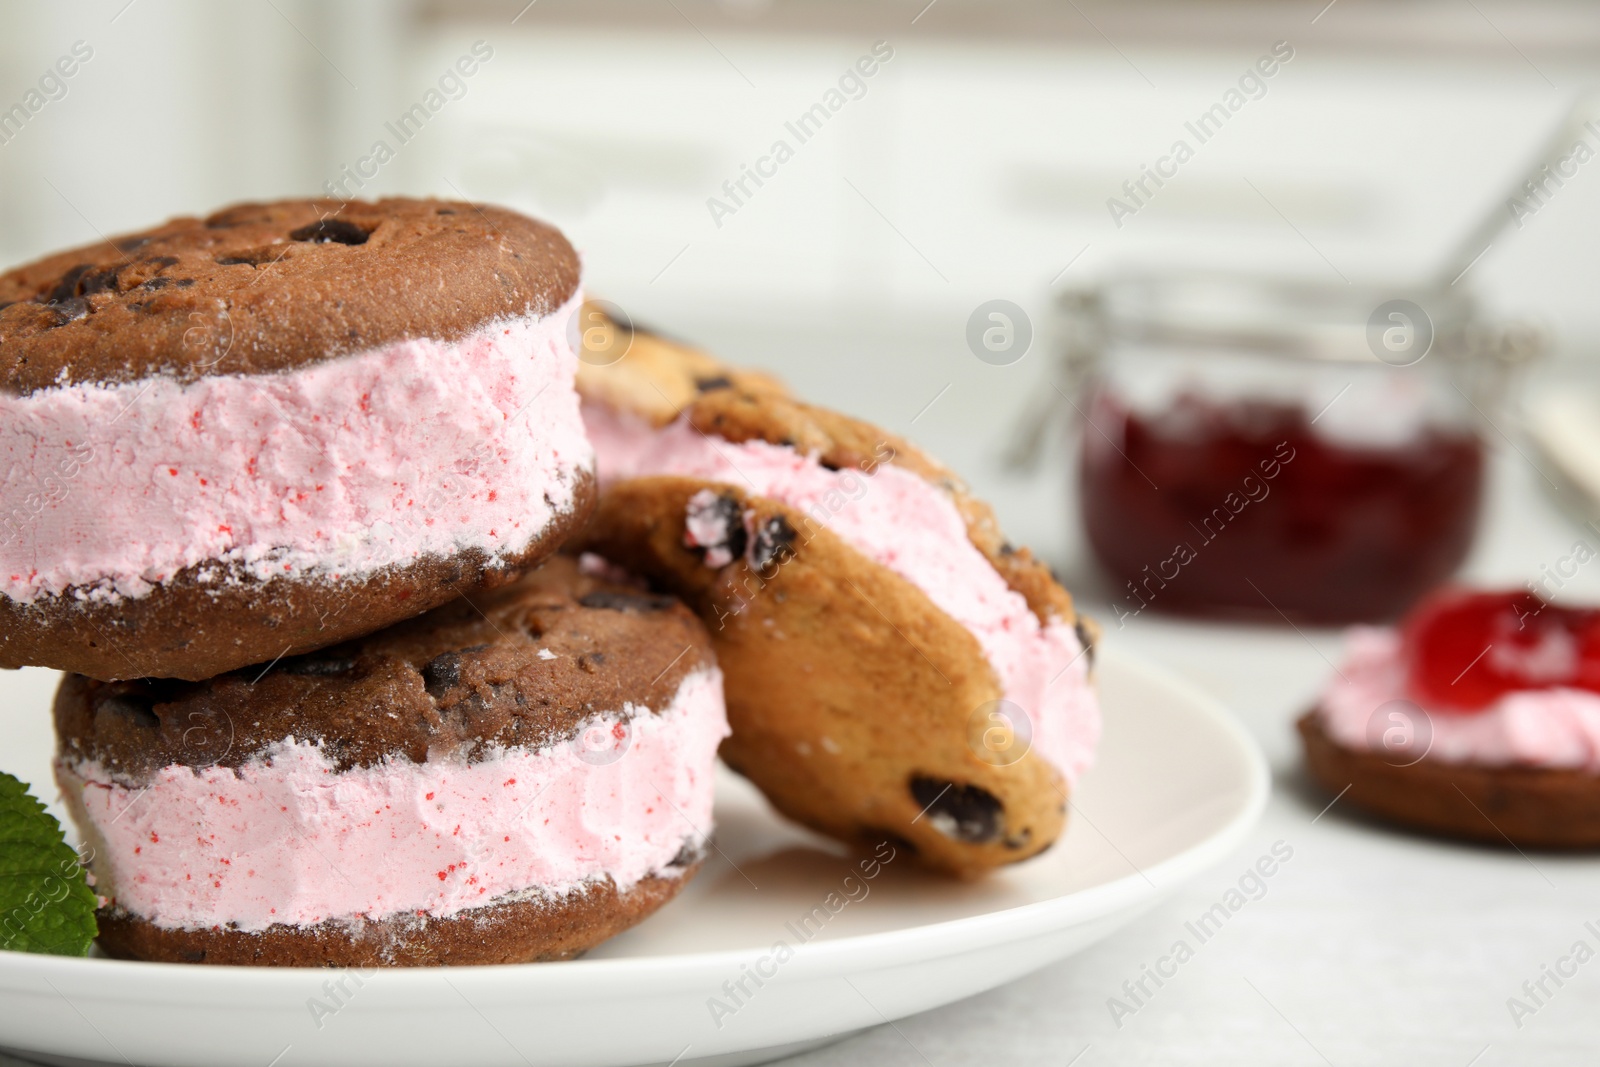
x=964, y=812
x=774, y=545
x=1021, y=840
x=337, y=231
x=70, y=310
x=317, y=666
x=591, y=662
x=1085, y=637
x=828, y=465
x=129, y=706
x=440, y=673
x=874, y=837
x=253, y=257
x=67, y=287
x=1007, y=548
x=445, y=211
x=157, y=283
x=708, y=385
x=132, y=244
x=184, y=283
x=162, y=262
x=714, y=527
x=637, y=603
x=98, y=281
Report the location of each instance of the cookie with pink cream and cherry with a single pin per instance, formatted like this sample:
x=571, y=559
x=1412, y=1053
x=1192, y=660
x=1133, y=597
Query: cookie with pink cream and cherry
x=513, y=778
x=895, y=669
x=280, y=426
x=1477, y=717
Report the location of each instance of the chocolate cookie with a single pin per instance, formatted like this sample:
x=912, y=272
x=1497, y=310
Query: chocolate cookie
x=1528, y=807
x=895, y=669
x=511, y=777
x=283, y=425
x=289, y=283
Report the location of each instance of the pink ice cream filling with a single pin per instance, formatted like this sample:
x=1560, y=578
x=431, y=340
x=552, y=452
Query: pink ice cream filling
x=1555, y=727
x=289, y=839
x=338, y=469
x=897, y=519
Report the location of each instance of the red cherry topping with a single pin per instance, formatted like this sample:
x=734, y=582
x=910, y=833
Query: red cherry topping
x=1464, y=650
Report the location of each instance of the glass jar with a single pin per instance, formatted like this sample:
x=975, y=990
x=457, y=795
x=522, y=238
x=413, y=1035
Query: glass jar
x=1273, y=449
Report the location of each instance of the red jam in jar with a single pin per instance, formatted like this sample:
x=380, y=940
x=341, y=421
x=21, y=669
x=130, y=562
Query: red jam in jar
x=1243, y=507
x=1275, y=449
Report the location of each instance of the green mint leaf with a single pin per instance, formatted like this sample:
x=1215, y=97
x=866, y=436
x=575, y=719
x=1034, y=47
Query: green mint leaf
x=46, y=904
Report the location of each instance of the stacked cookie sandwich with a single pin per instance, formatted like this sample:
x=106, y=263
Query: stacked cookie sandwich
x=368, y=593
x=280, y=482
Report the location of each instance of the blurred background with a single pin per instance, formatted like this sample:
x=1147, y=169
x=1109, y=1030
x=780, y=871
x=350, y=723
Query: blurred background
x=1003, y=151
x=977, y=162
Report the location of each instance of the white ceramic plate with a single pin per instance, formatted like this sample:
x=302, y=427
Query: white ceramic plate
x=1177, y=786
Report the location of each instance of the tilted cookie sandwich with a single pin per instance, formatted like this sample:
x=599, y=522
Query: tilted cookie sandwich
x=265, y=431
x=1478, y=717
x=895, y=669
x=510, y=779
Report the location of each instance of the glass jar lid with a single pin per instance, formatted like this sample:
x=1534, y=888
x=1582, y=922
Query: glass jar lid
x=1397, y=325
